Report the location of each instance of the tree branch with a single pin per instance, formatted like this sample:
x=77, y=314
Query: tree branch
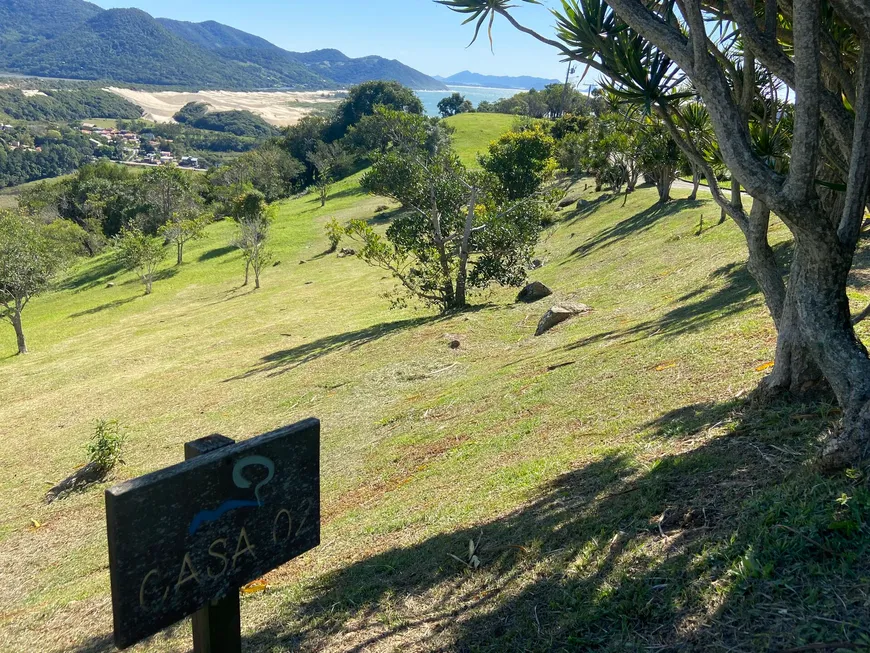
x=858, y=184
x=808, y=82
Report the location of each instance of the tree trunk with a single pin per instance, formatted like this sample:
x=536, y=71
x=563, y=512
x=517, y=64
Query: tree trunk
x=794, y=371
x=247, y=271
x=696, y=181
x=19, y=330
x=664, y=181
x=180, y=248
x=819, y=286
x=462, y=275
x=149, y=281
x=438, y=238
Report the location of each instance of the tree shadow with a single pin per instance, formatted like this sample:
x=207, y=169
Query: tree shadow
x=713, y=545
x=217, y=252
x=385, y=217
x=580, y=212
x=709, y=303
x=99, y=273
x=161, y=275
x=285, y=360
x=104, y=307
x=637, y=223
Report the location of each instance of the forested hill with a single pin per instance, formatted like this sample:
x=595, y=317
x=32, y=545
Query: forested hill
x=78, y=40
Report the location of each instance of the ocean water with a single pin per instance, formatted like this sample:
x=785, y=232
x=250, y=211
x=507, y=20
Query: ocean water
x=475, y=94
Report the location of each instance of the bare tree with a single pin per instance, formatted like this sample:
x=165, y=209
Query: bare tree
x=252, y=217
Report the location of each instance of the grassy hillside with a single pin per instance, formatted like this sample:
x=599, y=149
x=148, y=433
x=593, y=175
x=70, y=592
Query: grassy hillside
x=474, y=131
x=623, y=494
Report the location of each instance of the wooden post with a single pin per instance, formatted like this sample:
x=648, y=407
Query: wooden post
x=217, y=627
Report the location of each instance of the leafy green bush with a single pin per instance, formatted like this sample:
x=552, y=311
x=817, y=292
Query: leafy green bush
x=106, y=445
x=334, y=232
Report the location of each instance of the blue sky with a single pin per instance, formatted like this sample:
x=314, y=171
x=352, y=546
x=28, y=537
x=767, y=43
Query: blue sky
x=420, y=33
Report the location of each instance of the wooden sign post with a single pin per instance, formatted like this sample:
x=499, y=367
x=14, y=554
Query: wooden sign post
x=184, y=539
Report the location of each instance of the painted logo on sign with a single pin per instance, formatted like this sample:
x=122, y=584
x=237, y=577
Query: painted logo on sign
x=240, y=481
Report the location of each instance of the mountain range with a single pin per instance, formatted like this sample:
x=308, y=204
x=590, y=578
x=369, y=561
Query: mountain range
x=467, y=78
x=78, y=40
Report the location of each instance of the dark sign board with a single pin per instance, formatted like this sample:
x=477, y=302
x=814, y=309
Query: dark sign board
x=197, y=531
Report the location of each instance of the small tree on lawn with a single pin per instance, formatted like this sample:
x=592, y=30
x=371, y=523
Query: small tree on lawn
x=140, y=253
x=460, y=230
x=251, y=213
x=334, y=232
x=31, y=255
x=184, y=226
x=328, y=159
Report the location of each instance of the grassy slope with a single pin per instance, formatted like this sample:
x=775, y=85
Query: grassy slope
x=474, y=131
x=624, y=499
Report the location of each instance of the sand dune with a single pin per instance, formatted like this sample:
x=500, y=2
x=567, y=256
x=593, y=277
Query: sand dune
x=279, y=108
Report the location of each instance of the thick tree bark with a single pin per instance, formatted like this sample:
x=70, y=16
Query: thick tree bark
x=819, y=286
x=794, y=371
x=19, y=330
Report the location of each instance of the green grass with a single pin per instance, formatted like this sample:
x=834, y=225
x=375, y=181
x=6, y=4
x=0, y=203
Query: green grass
x=625, y=498
x=104, y=123
x=475, y=131
x=9, y=195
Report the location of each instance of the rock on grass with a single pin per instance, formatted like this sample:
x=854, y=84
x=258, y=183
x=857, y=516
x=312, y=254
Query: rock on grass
x=558, y=314
x=533, y=292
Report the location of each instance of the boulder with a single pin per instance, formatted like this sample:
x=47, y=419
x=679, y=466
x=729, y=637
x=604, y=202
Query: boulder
x=558, y=314
x=583, y=204
x=110, y=285
x=533, y=292
x=346, y=251
x=568, y=201
x=536, y=263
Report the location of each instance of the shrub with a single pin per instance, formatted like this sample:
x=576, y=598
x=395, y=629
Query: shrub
x=334, y=232
x=105, y=448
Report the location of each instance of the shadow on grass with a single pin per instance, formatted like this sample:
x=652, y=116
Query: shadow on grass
x=161, y=275
x=725, y=543
x=637, y=223
x=569, y=215
x=710, y=302
x=100, y=273
x=217, y=252
x=385, y=217
x=352, y=191
x=285, y=360
x=104, y=307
